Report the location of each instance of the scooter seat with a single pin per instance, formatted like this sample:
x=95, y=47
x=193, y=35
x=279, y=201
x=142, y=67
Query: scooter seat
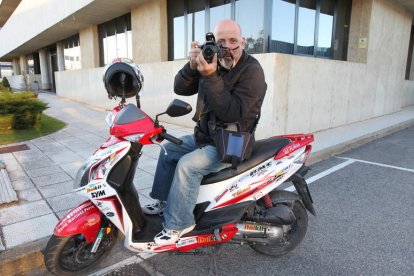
x=262, y=150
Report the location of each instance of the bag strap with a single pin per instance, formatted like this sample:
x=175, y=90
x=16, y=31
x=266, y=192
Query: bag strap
x=256, y=122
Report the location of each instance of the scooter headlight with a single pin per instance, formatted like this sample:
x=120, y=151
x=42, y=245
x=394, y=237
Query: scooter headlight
x=82, y=177
x=110, y=118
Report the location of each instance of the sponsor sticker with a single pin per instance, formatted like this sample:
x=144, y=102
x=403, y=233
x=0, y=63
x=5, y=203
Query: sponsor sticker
x=189, y=241
x=239, y=192
x=206, y=239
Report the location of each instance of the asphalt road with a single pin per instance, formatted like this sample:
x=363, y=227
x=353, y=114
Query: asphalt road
x=364, y=223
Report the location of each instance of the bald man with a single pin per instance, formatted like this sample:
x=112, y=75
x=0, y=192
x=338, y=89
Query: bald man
x=230, y=89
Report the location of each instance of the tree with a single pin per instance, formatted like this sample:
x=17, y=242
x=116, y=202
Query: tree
x=6, y=83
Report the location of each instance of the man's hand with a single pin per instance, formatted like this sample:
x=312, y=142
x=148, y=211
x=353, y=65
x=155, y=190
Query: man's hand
x=193, y=54
x=205, y=68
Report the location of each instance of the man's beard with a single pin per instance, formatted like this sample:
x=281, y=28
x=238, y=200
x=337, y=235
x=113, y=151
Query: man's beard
x=227, y=62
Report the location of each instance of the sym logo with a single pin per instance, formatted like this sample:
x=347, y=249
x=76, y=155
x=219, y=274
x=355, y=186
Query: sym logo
x=110, y=214
x=98, y=194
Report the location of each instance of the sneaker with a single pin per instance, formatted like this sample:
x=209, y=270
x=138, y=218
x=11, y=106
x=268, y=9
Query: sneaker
x=167, y=236
x=155, y=208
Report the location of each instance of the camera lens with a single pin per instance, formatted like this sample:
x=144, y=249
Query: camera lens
x=208, y=52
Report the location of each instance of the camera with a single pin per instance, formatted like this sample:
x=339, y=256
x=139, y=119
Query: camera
x=209, y=48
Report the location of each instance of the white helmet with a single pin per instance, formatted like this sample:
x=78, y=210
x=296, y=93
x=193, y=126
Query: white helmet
x=122, y=78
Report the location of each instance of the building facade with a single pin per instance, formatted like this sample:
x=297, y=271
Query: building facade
x=327, y=63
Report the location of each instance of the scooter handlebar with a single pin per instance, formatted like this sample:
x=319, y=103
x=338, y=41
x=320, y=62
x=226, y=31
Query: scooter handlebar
x=171, y=138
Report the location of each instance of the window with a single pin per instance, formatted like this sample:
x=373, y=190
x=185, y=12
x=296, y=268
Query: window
x=317, y=28
x=176, y=29
x=219, y=9
x=250, y=16
x=30, y=64
x=326, y=17
x=282, y=35
x=306, y=27
x=195, y=22
x=71, y=53
x=115, y=39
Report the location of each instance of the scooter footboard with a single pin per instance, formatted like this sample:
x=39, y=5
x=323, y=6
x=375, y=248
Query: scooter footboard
x=84, y=219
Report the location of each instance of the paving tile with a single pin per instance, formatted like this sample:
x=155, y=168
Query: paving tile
x=17, y=175
x=22, y=156
x=16, y=213
x=51, y=179
x=29, y=230
x=148, y=165
x=12, y=165
x=56, y=189
x=65, y=202
x=152, y=151
x=23, y=184
x=37, y=163
x=144, y=197
x=6, y=156
x=64, y=157
x=63, y=213
x=72, y=166
x=29, y=195
x=143, y=180
x=43, y=171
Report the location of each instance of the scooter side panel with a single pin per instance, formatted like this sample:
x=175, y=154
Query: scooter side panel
x=85, y=219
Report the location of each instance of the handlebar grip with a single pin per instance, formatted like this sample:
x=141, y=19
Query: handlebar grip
x=171, y=138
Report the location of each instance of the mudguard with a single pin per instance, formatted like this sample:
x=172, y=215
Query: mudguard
x=303, y=190
x=85, y=219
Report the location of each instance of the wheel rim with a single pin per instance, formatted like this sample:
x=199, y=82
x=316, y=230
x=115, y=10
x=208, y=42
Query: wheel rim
x=76, y=254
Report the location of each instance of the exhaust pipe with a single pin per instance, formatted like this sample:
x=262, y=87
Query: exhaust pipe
x=254, y=230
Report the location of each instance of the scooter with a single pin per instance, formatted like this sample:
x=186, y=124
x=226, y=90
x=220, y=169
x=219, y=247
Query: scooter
x=242, y=205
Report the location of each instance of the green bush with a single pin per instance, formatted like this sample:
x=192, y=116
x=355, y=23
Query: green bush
x=5, y=83
x=26, y=110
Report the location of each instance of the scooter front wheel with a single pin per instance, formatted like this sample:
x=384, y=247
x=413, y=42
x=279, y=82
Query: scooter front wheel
x=72, y=255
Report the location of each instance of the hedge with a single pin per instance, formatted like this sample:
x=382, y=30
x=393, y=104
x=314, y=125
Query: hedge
x=25, y=109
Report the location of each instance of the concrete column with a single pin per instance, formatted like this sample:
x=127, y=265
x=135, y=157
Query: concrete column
x=89, y=47
x=149, y=32
x=16, y=66
x=359, y=30
x=60, y=56
x=23, y=65
x=44, y=71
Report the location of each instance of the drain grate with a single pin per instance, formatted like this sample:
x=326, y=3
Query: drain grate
x=14, y=148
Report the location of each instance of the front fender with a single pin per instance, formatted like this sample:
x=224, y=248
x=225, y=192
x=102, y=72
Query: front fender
x=85, y=219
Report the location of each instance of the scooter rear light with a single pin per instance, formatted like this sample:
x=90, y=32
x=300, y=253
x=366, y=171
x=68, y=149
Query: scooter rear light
x=304, y=156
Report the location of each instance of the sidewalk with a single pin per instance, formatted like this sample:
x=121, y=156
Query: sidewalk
x=43, y=176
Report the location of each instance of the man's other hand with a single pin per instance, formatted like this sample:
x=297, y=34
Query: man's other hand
x=204, y=67
x=193, y=54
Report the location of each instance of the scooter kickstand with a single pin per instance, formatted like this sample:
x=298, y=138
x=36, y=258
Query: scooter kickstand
x=214, y=251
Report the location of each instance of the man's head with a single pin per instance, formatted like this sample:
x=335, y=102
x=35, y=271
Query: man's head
x=228, y=35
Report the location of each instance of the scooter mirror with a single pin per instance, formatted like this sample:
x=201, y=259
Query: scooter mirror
x=178, y=108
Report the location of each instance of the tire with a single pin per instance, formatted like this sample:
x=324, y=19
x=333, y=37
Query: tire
x=71, y=255
x=293, y=236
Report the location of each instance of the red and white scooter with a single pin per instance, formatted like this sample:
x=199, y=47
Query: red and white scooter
x=243, y=206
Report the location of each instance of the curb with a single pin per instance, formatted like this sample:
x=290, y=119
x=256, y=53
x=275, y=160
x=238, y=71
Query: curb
x=328, y=152
x=23, y=259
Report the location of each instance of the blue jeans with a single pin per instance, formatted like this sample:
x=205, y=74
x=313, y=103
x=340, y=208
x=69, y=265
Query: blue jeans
x=178, y=177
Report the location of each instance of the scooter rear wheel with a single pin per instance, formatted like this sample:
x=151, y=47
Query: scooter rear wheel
x=71, y=255
x=292, y=237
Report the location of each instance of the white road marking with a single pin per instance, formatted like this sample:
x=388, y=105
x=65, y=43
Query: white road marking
x=377, y=164
x=324, y=173
x=130, y=260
